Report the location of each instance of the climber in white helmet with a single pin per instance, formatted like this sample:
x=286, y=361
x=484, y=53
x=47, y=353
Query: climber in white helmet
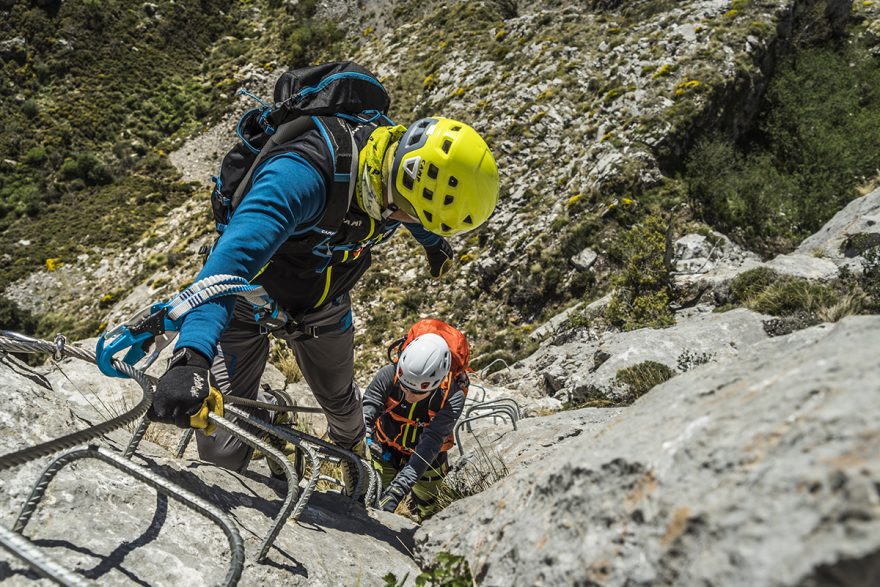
x=410, y=408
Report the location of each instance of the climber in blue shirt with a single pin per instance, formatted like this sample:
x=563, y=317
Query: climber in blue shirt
x=437, y=178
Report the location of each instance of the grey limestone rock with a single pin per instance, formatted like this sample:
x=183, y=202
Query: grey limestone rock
x=762, y=471
x=574, y=371
x=115, y=531
x=706, y=268
x=585, y=259
x=861, y=216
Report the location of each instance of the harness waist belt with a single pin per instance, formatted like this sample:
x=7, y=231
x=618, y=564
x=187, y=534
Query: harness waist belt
x=291, y=328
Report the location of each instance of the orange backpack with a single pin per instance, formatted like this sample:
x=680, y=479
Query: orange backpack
x=455, y=339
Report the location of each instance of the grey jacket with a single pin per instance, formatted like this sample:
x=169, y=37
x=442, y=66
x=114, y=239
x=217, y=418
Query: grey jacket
x=430, y=437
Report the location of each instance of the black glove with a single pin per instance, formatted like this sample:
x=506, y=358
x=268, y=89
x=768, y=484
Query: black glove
x=182, y=389
x=440, y=258
x=390, y=498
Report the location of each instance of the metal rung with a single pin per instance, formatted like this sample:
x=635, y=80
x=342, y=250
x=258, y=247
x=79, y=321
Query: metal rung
x=467, y=421
x=276, y=455
x=157, y=482
x=309, y=452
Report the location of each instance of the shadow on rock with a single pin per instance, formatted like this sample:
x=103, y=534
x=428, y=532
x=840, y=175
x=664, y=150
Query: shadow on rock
x=114, y=560
x=328, y=510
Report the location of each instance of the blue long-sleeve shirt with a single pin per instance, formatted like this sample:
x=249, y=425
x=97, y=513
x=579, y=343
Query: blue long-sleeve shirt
x=287, y=198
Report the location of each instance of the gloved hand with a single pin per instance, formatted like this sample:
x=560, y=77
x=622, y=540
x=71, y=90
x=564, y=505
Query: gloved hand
x=182, y=389
x=390, y=498
x=374, y=446
x=440, y=258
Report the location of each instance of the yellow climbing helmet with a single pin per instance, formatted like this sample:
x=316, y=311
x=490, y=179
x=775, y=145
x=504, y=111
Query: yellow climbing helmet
x=444, y=174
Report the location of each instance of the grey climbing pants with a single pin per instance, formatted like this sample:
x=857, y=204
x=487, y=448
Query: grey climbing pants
x=326, y=362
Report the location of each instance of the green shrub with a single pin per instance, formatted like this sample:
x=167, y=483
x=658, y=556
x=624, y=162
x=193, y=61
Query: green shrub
x=87, y=167
x=794, y=296
x=816, y=140
x=641, y=298
x=14, y=318
x=68, y=169
x=742, y=195
x=641, y=377
x=306, y=37
x=688, y=359
x=824, y=127
x=35, y=156
x=748, y=285
x=859, y=244
x=448, y=570
x=30, y=109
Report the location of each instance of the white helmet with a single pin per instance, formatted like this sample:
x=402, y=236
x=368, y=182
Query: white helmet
x=424, y=363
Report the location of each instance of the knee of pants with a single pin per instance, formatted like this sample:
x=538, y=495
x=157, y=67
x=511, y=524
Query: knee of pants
x=224, y=450
x=343, y=400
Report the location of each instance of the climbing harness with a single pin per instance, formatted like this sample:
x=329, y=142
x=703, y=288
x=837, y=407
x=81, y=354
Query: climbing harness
x=314, y=450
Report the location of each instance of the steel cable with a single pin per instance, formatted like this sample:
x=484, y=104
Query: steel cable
x=13, y=342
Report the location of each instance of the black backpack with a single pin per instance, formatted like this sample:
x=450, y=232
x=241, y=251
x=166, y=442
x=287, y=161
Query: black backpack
x=340, y=89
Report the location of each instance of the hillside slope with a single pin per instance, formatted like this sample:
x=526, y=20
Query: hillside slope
x=591, y=113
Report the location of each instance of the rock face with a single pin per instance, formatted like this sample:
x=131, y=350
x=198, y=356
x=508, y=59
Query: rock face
x=837, y=240
x=115, y=531
x=761, y=471
x=578, y=103
x=582, y=364
x=533, y=439
x=705, y=266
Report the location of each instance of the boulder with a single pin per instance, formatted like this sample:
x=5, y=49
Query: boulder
x=762, y=471
x=834, y=241
x=585, y=365
x=585, y=259
x=803, y=266
x=14, y=49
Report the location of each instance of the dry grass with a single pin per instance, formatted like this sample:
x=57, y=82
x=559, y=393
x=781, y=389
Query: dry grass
x=848, y=305
x=283, y=358
x=480, y=472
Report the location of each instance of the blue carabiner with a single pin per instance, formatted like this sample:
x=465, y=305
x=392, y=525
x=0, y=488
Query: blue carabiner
x=138, y=335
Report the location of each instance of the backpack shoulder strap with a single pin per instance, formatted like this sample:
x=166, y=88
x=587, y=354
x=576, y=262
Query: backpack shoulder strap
x=286, y=132
x=339, y=137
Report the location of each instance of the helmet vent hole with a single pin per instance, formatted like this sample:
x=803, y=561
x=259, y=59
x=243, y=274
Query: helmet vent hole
x=433, y=171
x=414, y=139
x=445, y=227
x=428, y=216
x=407, y=181
x=468, y=220
x=453, y=181
x=448, y=200
x=427, y=194
x=455, y=128
x=446, y=145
